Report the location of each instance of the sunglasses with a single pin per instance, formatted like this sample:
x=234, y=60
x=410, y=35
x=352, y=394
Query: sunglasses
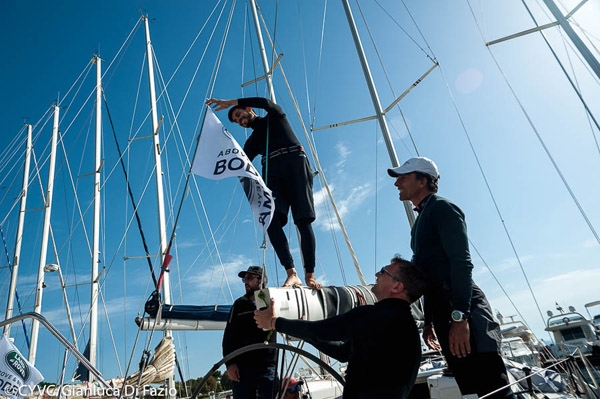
x=249, y=278
x=294, y=389
x=385, y=271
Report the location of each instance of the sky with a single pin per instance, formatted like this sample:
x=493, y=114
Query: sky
x=512, y=142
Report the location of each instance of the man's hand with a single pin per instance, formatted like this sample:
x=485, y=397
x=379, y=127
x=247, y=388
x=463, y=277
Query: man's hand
x=459, y=336
x=233, y=372
x=430, y=338
x=219, y=105
x=265, y=319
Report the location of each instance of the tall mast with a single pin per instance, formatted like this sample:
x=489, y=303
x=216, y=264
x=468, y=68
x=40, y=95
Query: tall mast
x=96, y=225
x=577, y=42
x=45, y=234
x=410, y=214
x=19, y=238
x=263, y=53
x=162, y=225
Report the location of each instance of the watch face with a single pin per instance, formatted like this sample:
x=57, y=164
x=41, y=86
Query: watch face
x=457, y=315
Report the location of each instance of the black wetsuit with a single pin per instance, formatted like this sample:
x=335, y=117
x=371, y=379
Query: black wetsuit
x=382, y=344
x=288, y=174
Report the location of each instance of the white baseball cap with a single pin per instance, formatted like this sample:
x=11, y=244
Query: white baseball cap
x=416, y=164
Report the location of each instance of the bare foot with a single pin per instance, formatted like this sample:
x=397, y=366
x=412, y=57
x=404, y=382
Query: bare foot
x=312, y=282
x=292, y=278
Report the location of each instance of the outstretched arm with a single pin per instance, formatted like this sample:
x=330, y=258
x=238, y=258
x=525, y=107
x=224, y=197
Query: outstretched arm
x=219, y=105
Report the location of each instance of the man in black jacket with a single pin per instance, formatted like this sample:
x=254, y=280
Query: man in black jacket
x=255, y=370
x=380, y=342
x=456, y=310
x=286, y=172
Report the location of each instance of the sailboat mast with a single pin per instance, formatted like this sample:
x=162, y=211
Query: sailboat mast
x=577, y=42
x=19, y=238
x=263, y=53
x=410, y=214
x=162, y=225
x=35, y=327
x=96, y=225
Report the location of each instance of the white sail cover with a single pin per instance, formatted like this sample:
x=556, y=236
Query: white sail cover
x=310, y=304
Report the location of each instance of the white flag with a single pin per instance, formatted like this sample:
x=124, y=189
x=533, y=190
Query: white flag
x=219, y=156
x=18, y=375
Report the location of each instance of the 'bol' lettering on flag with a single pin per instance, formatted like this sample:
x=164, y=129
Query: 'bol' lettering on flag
x=219, y=156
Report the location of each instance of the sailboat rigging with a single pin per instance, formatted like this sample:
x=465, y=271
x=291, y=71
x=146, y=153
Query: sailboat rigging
x=216, y=225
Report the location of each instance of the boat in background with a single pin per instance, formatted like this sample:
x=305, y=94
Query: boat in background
x=519, y=343
x=573, y=332
x=436, y=369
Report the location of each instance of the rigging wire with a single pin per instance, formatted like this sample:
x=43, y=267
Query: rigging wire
x=537, y=133
x=591, y=119
x=575, y=86
x=319, y=169
x=313, y=114
x=547, y=153
x=434, y=59
x=387, y=76
x=130, y=194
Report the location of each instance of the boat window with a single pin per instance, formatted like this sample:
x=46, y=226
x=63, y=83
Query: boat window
x=572, y=333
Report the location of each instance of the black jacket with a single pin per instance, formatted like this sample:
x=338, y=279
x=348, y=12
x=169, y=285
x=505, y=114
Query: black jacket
x=383, y=347
x=275, y=124
x=241, y=331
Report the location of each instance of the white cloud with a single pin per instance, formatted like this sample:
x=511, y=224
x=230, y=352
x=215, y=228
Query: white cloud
x=343, y=155
x=353, y=200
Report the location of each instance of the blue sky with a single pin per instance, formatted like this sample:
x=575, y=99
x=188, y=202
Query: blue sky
x=46, y=46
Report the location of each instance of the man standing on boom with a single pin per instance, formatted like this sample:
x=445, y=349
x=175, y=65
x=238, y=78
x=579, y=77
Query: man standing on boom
x=286, y=172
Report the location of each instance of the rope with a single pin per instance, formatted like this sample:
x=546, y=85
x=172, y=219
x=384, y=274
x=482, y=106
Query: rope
x=130, y=192
x=320, y=170
x=519, y=380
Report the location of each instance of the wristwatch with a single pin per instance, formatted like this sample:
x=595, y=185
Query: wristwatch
x=458, y=316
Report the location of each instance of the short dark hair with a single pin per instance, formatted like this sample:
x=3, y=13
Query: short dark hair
x=411, y=276
x=230, y=113
x=432, y=182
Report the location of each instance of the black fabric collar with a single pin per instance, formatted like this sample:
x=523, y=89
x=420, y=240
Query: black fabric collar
x=423, y=203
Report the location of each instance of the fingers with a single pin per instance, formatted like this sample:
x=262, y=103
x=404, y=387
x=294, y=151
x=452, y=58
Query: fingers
x=459, y=339
x=219, y=105
x=433, y=344
x=233, y=373
x=263, y=317
x=460, y=347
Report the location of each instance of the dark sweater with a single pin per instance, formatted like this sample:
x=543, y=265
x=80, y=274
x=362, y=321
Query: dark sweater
x=441, y=249
x=241, y=330
x=384, y=350
x=275, y=124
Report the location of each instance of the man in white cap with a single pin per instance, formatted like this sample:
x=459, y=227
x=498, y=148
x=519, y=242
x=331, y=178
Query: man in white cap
x=455, y=309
